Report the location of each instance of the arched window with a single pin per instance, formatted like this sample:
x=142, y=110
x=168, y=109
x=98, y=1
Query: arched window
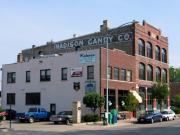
x=149, y=50
x=149, y=73
x=158, y=74
x=141, y=46
x=164, y=75
x=157, y=53
x=164, y=55
x=142, y=74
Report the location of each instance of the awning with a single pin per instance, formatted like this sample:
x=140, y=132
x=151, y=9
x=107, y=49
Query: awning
x=137, y=96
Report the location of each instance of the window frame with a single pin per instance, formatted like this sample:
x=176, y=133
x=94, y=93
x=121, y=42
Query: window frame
x=90, y=73
x=64, y=74
x=141, y=47
x=11, y=77
x=12, y=100
x=142, y=76
x=28, y=78
x=46, y=76
x=116, y=73
x=34, y=98
x=123, y=75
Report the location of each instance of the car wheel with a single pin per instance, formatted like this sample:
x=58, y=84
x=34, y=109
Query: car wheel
x=167, y=119
x=31, y=120
x=152, y=121
x=67, y=121
x=173, y=118
x=56, y=122
x=160, y=120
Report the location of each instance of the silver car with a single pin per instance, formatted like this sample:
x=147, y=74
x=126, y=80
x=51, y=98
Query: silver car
x=168, y=115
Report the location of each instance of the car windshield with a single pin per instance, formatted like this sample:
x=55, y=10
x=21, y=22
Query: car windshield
x=61, y=113
x=164, y=112
x=32, y=110
x=149, y=112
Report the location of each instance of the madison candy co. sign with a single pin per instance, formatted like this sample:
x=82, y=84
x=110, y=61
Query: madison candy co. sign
x=99, y=40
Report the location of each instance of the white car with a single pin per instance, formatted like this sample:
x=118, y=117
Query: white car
x=168, y=115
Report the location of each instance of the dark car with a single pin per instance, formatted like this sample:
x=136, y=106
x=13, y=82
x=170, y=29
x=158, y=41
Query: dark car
x=150, y=117
x=10, y=113
x=63, y=117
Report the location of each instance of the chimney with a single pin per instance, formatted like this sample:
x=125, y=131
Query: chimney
x=33, y=54
x=104, y=27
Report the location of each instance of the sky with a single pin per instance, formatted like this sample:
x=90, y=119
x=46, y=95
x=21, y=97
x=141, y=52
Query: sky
x=24, y=23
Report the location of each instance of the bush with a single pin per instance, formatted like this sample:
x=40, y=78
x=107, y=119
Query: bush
x=177, y=110
x=1, y=118
x=91, y=118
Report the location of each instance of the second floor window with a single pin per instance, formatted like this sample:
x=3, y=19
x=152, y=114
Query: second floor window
x=64, y=73
x=142, y=75
x=116, y=73
x=90, y=72
x=11, y=77
x=45, y=75
x=157, y=55
x=129, y=76
x=109, y=72
x=28, y=76
x=123, y=74
x=149, y=73
x=164, y=56
x=149, y=50
x=158, y=74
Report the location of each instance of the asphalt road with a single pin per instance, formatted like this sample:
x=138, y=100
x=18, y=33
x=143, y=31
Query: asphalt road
x=163, y=128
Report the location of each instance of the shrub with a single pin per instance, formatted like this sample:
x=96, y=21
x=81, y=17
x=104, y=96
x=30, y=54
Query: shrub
x=177, y=110
x=91, y=118
x=1, y=118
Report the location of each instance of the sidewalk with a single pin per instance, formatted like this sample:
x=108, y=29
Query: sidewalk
x=48, y=126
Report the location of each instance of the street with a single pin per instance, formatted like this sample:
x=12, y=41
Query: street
x=163, y=128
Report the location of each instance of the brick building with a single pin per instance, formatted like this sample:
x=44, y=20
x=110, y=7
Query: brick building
x=138, y=56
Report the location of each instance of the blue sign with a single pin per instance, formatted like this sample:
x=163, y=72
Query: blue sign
x=87, y=58
x=90, y=86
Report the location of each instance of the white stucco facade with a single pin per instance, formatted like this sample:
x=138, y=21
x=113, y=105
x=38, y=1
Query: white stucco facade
x=56, y=91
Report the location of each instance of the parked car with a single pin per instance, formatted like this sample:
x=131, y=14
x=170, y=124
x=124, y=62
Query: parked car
x=11, y=113
x=63, y=117
x=150, y=116
x=34, y=114
x=168, y=115
x=3, y=114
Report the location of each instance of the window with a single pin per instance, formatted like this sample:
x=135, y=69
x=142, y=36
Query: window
x=109, y=72
x=64, y=73
x=149, y=73
x=158, y=74
x=164, y=75
x=141, y=47
x=11, y=77
x=123, y=74
x=116, y=73
x=164, y=55
x=149, y=50
x=90, y=72
x=11, y=98
x=33, y=98
x=142, y=75
x=129, y=75
x=157, y=53
x=45, y=75
x=28, y=76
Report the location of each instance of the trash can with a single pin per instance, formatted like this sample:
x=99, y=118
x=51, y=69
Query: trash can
x=110, y=118
x=114, y=116
x=104, y=118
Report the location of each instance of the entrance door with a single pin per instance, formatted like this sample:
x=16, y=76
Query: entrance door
x=53, y=108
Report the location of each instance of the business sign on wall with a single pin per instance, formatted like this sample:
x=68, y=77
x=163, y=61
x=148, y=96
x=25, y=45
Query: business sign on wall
x=98, y=40
x=90, y=86
x=87, y=58
x=76, y=72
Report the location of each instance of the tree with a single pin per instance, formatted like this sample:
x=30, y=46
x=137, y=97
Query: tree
x=93, y=100
x=174, y=74
x=177, y=101
x=160, y=91
x=131, y=102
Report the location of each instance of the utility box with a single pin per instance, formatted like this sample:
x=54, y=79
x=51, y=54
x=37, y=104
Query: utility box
x=77, y=112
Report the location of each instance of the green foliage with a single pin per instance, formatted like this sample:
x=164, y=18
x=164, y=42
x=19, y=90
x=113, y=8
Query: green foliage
x=177, y=110
x=131, y=102
x=177, y=101
x=1, y=118
x=1, y=109
x=174, y=74
x=160, y=91
x=93, y=100
x=91, y=118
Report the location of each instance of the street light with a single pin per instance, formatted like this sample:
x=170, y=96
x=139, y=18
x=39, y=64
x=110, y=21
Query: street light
x=107, y=65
